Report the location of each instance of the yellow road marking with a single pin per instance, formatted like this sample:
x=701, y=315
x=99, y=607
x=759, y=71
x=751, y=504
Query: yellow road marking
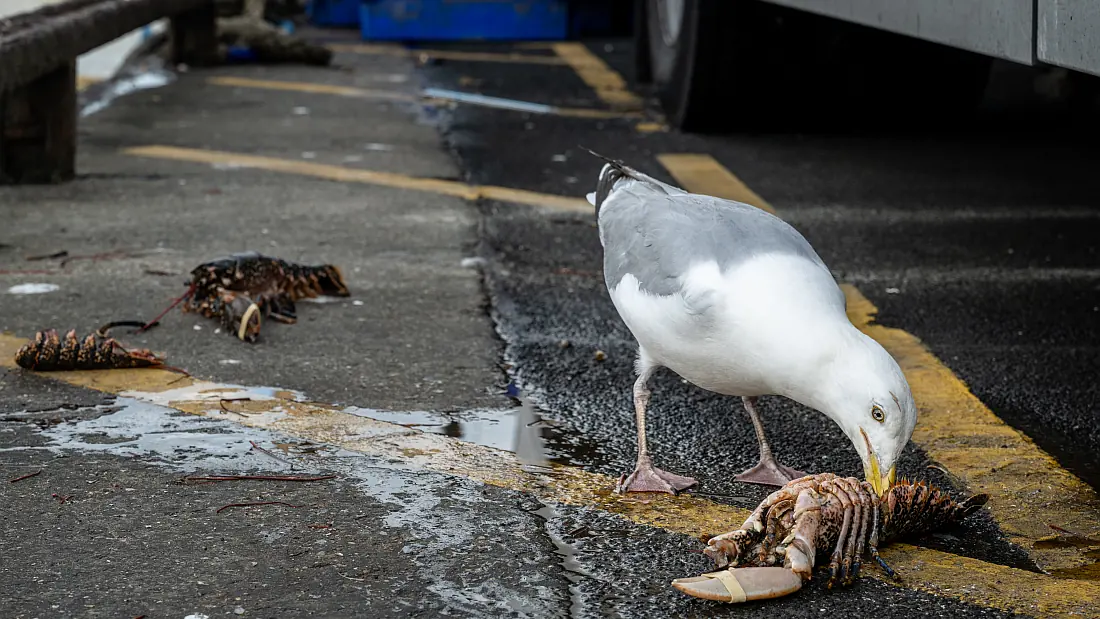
x=443, y=54
x=943, y=574
x=703, y=174
x=608, y=84
x=366, y=93
x=83, y=81
x=370, y=177
x=1027, y=487
x=326, y=89
x=650, y=127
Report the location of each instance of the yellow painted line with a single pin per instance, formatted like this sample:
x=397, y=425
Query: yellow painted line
x=83, y=81
x=365, y=93
x=608, y=84
x=650, y=127
x=442, y=54
x=943, y=574
x=703, y=174
x=1028, y=489
x=370, y=177
x=325, y=89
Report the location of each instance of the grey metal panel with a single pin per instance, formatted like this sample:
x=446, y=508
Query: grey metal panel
x=1069, y=34
x=999, y=28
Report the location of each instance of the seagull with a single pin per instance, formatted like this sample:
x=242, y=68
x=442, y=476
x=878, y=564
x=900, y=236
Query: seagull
x=737, y=302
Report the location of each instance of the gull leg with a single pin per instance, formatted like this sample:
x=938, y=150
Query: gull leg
x=768, y=472
x=646, y=477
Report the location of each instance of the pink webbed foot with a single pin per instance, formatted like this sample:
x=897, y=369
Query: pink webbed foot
x=769, y=473
x=648, y=478
x=743, y=584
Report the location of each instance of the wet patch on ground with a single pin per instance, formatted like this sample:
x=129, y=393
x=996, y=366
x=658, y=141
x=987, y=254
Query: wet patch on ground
x=380, y=539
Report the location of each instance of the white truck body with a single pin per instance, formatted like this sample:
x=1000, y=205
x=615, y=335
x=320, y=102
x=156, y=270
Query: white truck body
x=1063, y=33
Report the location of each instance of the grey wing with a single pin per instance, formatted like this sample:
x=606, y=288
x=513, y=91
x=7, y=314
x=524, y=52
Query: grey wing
x=657, y=236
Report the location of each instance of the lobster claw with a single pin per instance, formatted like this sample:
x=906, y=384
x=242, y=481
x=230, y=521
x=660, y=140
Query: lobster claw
x=742, y=584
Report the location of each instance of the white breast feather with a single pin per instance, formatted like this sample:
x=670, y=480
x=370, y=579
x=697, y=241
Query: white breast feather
x=743, y=332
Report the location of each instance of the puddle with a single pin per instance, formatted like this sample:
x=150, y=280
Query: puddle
x=1085, y=572
x=1067, y=541
x=140, y=429
x=573, y=571
x=520, y=430
x=215, y=392
x=498, y=428
x=123, y=86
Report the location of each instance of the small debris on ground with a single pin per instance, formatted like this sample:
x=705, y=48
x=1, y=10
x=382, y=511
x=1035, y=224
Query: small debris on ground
x=256, y=477
x=56, y=254
x=22, y=477
x=225, y=507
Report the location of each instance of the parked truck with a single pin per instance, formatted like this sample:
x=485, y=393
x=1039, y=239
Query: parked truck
x=717, y=64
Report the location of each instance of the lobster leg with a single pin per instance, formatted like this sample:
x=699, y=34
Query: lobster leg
x=743, y=584
x=755, y=521
x=776, y=512
x=856, y=497
x=867, y=496
x=801, y=551
x=838, y=552
x=721, y=548
x=281, y=308
x=872, y=543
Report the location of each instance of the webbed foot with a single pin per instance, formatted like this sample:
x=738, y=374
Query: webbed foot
x=648, y=478
x=769, y=473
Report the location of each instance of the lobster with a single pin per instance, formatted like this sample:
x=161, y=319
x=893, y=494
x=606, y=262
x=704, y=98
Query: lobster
x=805, y=518
x=243, y=289
x=49, y=352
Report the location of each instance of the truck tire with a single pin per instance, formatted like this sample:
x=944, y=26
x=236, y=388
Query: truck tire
x=719, y=65
x=686, y=52
x=643, y=68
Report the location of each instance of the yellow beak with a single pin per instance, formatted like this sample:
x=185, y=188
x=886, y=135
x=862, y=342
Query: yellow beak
x=881, y=483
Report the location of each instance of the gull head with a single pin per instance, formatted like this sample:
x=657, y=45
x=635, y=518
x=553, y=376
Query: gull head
x=869, y=398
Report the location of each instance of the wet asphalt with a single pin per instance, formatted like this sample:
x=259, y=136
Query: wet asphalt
x=984, y=246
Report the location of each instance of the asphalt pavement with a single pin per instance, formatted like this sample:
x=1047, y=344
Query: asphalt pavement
x=479, y=321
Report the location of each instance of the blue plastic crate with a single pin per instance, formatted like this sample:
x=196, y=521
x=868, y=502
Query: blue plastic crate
x=339, y=13
x=412, y=20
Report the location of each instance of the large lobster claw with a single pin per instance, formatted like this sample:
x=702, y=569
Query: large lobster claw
x=742, y=584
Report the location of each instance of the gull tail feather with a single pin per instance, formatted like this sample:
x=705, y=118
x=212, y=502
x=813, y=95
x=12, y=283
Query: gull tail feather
x=614, y=171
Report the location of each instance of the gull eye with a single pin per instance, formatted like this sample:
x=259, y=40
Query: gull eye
x=877, y=413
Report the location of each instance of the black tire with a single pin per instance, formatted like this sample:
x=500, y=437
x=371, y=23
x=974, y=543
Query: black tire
x=747, y=65
x=685, y=63
x=643, y=70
